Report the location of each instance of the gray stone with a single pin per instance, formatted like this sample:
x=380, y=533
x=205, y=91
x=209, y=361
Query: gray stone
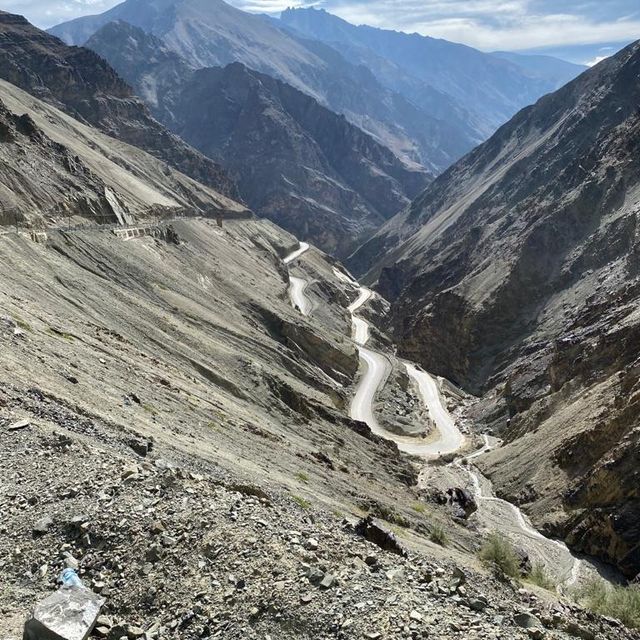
x=328, y=581
x=314, y=575
x=42, y=526
x=478, y=604
x=68, y=614
x=527, y=621
x=458, y=578
x=17, y=426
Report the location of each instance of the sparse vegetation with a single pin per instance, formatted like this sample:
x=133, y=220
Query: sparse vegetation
x=302, y=476
x=498, y=552
x=22, y=323
x=614, y=601
x=386, y=513
x=418, y=507
x=540, y=577
x=438, y=535
x=301, y=502
x=150, y=409
x=52, y=331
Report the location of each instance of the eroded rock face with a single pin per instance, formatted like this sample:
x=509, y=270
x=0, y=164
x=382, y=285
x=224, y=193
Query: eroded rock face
x=56, y=171
x=516, y=274
x=82, y=84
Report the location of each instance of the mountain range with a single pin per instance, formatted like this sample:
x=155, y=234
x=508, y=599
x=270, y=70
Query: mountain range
x=295, y=161
x=461, y=85
x=431, y=119
x=80, y=83
x=515, y=274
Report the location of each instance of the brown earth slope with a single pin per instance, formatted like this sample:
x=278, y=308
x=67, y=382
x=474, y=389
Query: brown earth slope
x=516, y=274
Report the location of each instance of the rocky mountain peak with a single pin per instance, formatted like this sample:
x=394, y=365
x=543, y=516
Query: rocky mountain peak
x=295, y=161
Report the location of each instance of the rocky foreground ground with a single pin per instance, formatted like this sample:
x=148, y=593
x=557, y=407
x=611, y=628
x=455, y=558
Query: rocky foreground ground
x=182, y=549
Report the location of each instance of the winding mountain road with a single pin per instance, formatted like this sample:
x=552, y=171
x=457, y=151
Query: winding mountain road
x=377, y=367
x=302, y=248
x=298, y=298
x=298, y=285
x=498, y=514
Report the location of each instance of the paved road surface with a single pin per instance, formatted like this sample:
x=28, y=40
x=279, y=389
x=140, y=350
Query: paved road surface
x=304, y=246
x=298, y=298
x=298, y=285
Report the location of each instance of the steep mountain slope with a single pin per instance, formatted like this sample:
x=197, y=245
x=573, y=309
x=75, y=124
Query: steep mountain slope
x=212, y=33
x=55, y=169
x=176, y=411
x=80, y=83
x=486, y=89
x=296, y=162
x=516, y=273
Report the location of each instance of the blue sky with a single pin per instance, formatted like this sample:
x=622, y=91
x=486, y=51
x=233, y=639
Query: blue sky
x=584, y=30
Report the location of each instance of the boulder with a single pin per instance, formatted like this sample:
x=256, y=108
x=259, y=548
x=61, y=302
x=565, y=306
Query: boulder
x=68, y=614
x=369, y=529
x=462, y=502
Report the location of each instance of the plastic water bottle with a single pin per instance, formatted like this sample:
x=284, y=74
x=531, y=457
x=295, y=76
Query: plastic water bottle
x=69, y=578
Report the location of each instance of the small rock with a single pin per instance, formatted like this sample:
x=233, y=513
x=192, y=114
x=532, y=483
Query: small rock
x=328, y=581
x=395, y=574
x=527, y=621
x=21, y=424
x=314, y=575
x=154, y=553
x=42, y=526
x=371, y=560
x=478, y=604
x=68, y=614
x=104, y=621
x=458, y=578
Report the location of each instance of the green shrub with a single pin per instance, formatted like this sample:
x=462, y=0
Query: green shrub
x=438, y=535
x=301, y=502
x=614, y=601
x=540, y=577
x=498, y=552
x=22, y=323
x=302, y=476
x=418, y=507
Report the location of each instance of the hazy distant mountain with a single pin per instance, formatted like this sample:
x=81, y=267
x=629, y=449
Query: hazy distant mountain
x=294, y=160
x=544, y=67
x=490, y=88
x=212, y=33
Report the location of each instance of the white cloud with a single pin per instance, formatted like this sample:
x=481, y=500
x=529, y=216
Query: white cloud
x=486, y=24
x=490, y=25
